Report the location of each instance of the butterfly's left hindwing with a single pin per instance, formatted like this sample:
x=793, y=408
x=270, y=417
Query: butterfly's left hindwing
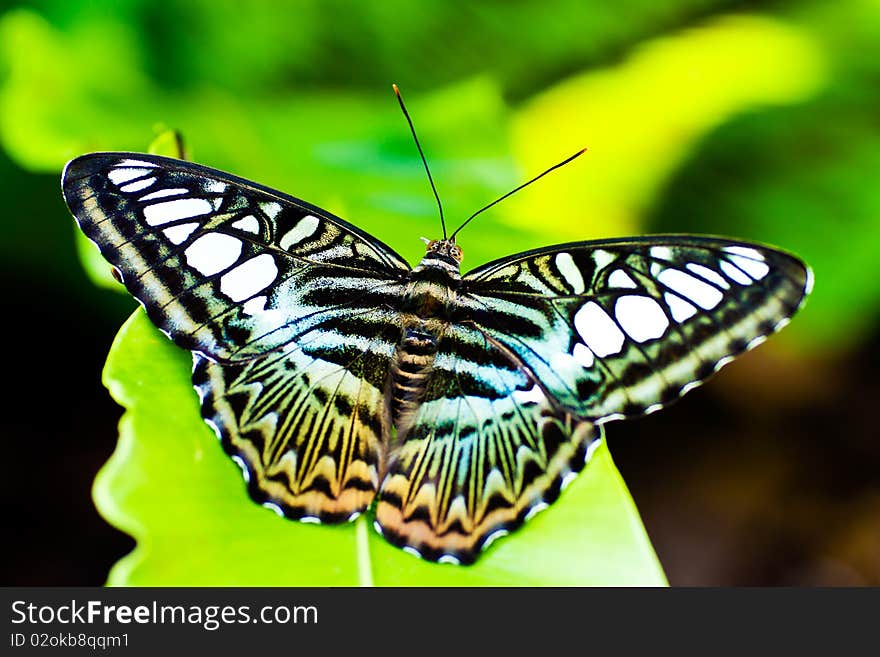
x=223, y=266
x=306, y=424
x=618, y=328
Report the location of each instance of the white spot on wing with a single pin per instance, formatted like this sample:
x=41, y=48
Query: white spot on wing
x=534, y=394
x=641, y=317
x=583, y=356
x=448, y=558
x=494, y=536
x=570, y=272
x=746, y=251
x=138, y=185
x=213, y=252
x=214, y=428
x=137, y=163
x=123, y=175
x=598, y=330
x=620, y=278
x=661, y=252
x=411, y=550
x=567, y=479
x=303, y=229
x=249, y=224
x=753, y=268
x=215, y=186
x=249, y=278
x=681, y=310
x=274, y=507
x=178, y=234
x=162, y=193
x=254, y=306
x=808, y=285
x=535, y=510
x=709, y=274
x=701, y=293
x=270, y=209
x=750, y=260
x=735, y=273
x=602, y=258
x=244, y=469
x=183, y=208
x=311, y=520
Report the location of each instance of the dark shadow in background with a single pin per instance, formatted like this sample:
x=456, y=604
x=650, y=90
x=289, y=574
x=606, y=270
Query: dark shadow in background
x=60, y=423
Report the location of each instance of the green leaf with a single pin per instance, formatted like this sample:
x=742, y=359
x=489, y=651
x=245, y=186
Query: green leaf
x=170, y=485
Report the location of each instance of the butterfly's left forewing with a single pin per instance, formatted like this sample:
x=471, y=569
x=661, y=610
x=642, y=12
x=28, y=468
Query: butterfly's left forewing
x=223, y=266
x=618, y=328
x=285, y=307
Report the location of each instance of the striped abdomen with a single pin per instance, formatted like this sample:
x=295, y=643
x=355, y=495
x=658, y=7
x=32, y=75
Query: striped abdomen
x=410, y=368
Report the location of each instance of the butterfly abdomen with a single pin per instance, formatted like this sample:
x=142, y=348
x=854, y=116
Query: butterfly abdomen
x=424, y=316
x=410, y=368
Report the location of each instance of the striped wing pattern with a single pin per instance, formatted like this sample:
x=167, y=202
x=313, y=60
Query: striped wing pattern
x=304, y=425
x=338, y=378
x=223, y=266
x=282, y=304
x=619, y=328
x=486, y=450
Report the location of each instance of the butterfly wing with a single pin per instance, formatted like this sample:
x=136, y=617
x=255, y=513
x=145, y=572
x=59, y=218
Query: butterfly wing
x=223, y=266
x=304, y=430
x=284, y=305
x=484, y=452
x=617, y=328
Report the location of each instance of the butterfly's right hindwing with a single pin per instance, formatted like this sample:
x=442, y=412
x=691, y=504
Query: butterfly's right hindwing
x=225, y=267
x=483, y=453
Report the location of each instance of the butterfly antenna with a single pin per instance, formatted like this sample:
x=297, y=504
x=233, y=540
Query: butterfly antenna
x=422, y=154
x=514, y=191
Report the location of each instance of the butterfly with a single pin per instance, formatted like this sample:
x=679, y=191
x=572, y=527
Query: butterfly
x=340, y=379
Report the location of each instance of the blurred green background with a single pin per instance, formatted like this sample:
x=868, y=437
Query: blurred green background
x=750, y=119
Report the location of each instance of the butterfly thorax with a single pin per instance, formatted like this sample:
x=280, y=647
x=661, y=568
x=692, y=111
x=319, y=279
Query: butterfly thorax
x=425, y=307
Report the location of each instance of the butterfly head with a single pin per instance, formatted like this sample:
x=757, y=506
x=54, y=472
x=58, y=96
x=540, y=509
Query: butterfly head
x=446, y=248
x=444, y=255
